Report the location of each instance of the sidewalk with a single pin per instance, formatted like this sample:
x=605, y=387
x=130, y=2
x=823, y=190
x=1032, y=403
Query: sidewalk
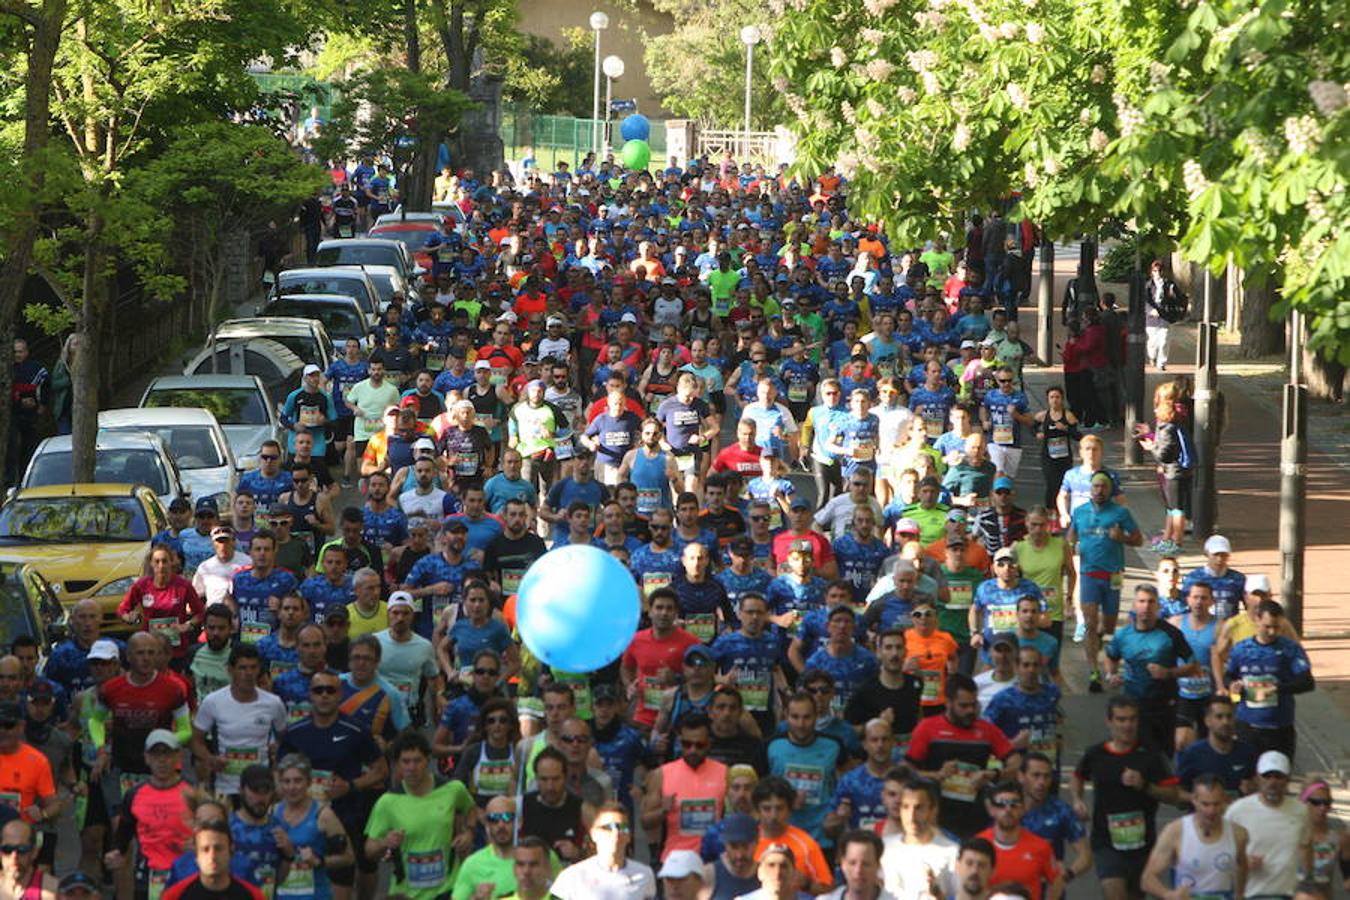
x=1248, y=514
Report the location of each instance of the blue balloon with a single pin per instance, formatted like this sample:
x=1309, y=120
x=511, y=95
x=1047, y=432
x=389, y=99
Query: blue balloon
x=577, y=608
x=635, y=128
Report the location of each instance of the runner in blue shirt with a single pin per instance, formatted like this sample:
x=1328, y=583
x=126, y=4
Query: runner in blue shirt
x=1003, y=414
x=857, y=436
x=860, y=554
x=1027, y=711
x=741, y=576
x=993, y=609
x=1220, y=752
x=1228, y=585
x=1100, y=530
x=810, y=763
x=1051, y=817
x=850, y=664
x=857, y=801
x=1267, y=670
x=332, y=587
x=258, y=588
x=1155, y=654
x=754, y=654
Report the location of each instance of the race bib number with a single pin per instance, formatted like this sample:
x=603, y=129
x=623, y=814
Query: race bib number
x=647, y=500
x=253, y=632
x=1197, y=685
x=295, y=712
x=498, y=377
x=155, y=883
x=933, y=426
x=864, y=452
x=652, y=581
x=311, y=416
x=697, y=815
x=754, y=688
x=653, y=692
x=493, y=778
x=321, y=784
x=280, y=667
x=1003, y=434
x=299, y=883
x=1043, y=739
x=685, y=464
x=702, y=626
x=1127, y=830
x=237, y=759
x=168, y=627
x=511, y=579
x=932, y=687
x=435, y=362
x=1057, y=447
x=961, y=786
x=797, y=393
x=464, y=463
x=1260, y=691
x=807, y=781
x=1002, y=618
x=424, y=869
x=960, y=595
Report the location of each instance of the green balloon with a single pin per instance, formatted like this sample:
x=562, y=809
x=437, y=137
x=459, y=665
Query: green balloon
x=636, y=154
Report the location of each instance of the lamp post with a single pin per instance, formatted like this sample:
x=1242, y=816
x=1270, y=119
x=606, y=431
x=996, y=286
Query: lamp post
x=613, y=67
x=599, y=22
x=750, y=36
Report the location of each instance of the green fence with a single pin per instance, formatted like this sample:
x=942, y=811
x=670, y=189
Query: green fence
x=555, y=139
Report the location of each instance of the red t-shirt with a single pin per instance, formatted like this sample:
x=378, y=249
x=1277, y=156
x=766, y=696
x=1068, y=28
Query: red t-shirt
x=193, y=889
x=137, y=710
x=1030, y=861
x=782, y=543
x=602, y=404
x=648, y=656
x=159, y=818
x=176, y=602
x=734, y=459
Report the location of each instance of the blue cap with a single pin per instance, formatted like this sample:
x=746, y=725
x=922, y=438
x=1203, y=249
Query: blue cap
x=1003, y=483
x=738, y=828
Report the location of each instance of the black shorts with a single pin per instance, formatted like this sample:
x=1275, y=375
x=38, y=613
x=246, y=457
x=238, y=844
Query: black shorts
x=46, y=857
x=1175, y=492
x=718, y=401
x=1191, y=714
x=1127, y=866
x=1056, y=630
x=1285, y=739
x=343, y=427
x=360, y=448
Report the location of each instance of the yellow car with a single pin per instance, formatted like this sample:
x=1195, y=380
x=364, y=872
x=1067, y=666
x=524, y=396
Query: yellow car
x=87, y=540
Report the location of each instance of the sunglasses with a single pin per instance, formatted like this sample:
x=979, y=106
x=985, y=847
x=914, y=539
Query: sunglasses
x=1007, y=803
x=1318, y=801
x=922, y=614
x=658, y=527
x=6, y=849
x=1003, y=380
x=499, y=817
x=821, y=689
x=575, y=739
x=323, y=689
x=268, y=456
x=759, y=518
x=485, y=671
x=498, y=720
x=620, y=827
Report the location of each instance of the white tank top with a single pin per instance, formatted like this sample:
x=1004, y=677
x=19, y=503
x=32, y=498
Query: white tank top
x=1207, y=869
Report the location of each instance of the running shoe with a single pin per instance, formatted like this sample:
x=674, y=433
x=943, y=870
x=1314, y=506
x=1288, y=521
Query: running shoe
x=1095, y=682
x=1080, y=633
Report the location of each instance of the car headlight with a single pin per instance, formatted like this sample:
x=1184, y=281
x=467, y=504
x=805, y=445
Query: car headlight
x=248, y=462
x=116, y=588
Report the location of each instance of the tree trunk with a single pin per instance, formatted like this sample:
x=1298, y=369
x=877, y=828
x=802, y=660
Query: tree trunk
x=87, y=377
x=1325, y=378
x=1260, y=335
x=46, y=37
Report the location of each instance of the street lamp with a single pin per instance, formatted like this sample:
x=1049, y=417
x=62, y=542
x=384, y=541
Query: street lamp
x=599, y=22
x=613, y=67
x=750, y=36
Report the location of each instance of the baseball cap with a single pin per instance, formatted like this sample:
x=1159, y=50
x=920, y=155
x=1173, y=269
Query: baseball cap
x=743, y=545
x=338, y=612
x=681, y=864
x=222, y=533
x=1005, y=553
x=1217, y=543
x=800, y=502
x=207, y=505
x=1272, y=761
x=103, y=649
x=80, y=881
x=956, y=515
x=801, y=547
x=408, y=402
x=1257, y=583
x=907, y=526
x=482, y=364
x=930, y=481
x=312, y=369
x=606, y=693
x=508, y=316
x=628, y=317
x=423, y=444
x=1004, y=637
x=553, y=320
x=782, y=850
x=967, y=345
x=41, y=689
x=988, y=342
x=455, y=524
x=698, y=650
x=401, y=599
x=161, y=737
x=1003, y=483
x=739, y=828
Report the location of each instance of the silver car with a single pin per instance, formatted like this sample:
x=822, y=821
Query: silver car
x=240, y=403
x=195, y=438
x=126, y=458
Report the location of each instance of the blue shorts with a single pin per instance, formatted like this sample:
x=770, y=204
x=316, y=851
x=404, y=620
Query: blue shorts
x=1101, y=593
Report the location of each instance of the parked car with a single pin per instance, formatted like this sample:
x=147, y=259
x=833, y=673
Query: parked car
x=304, y=338
x=28, y=606
x=388, y=281
x=195, y=438
x=367, y=251
x=346, y=280
x=240, y=403
x=342, y=318
x=87, y=540
x=135, y=457
x=412, y=234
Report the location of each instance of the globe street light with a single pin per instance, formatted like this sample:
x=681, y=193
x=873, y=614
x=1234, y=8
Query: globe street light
x=613, y=67
x=599, y=22
x=750, y=36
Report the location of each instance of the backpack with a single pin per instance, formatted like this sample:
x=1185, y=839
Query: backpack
x=1186, y=458
x=1174, y=304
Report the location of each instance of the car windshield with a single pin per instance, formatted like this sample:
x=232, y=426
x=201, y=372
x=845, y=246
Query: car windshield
x=66, y=519
x=193, y=445
x=357, y=255
x=413, y=240
x=111, y=466
x=341, y=321
x=384, y=285
x=347, y=287
x=231, y=406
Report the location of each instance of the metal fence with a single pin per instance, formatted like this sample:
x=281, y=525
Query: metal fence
x=554, y=139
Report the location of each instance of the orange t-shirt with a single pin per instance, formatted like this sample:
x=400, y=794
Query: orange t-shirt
x=1030, y=862
x=976, y=556
x=25, y=778
x=810, y=860
x=933, y=652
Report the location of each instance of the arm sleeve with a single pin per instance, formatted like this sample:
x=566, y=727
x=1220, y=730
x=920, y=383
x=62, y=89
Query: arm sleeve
x=182, y=724
x=98, y=722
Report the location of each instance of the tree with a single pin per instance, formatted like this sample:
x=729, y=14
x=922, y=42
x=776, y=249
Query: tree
x=698, y=68
x=36, y=28
x=217, y=180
